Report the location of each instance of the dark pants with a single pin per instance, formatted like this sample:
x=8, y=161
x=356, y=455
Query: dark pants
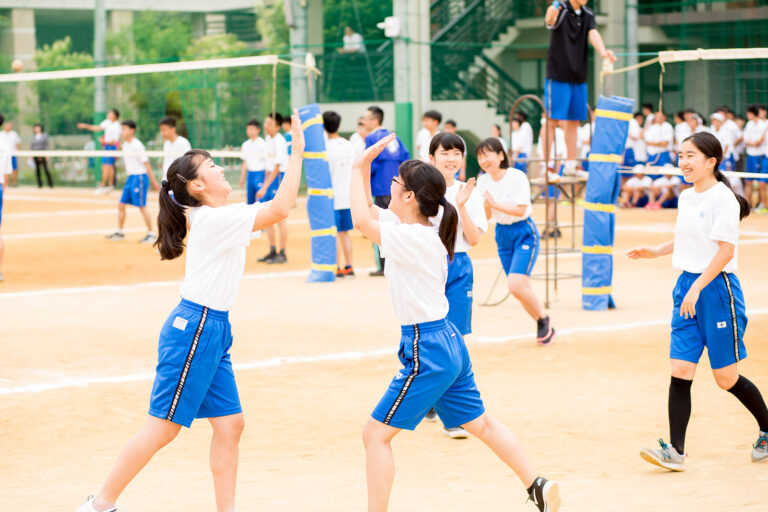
x=42, y=162
x=381, y=202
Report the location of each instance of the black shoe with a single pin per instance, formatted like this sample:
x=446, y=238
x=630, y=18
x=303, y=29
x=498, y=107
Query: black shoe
x=431, y=415
x=376, y=273
x=555, y=233
x=545, y=494
x=269, y=255
x=544, y=331
x=277, y=258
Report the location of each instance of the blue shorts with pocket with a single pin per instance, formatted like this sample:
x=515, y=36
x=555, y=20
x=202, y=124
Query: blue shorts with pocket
x=437, y=373
x=569, y=101
x=254, y=183
x=109, y=160
x=135, y=190
x=343, y=220
x=719, y=323
x=518, y=246
x=194, y=377
x=458, y=290
x=755, y=163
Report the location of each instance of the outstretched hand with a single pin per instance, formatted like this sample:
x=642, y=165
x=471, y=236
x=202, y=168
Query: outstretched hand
x=464, y=193
x=372, y=152
x=297, y=135
x=641, y=252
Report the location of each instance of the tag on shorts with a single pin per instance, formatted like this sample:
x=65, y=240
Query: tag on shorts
x=722, y=325
x=526, y=247
x=180, y=323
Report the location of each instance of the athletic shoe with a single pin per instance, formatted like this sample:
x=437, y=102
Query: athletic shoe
x=116, y=236
x=455, y=433
x=267, y=256
x=545, y=494
x=666, y=457
x=149, y=239
x=376, y=273
x=553, y=233
x=278, y=258
x=544, y=331
x=1, y=276
x=349, y=271
x=760, y=448
x=569, y=168
x=431, y=415
x=99, y=191
x=553, y=177
x=88, y=506
x=339, y=272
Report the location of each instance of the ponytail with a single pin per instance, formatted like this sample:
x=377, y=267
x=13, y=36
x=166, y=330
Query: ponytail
x=174, y=200
x=428, y=185
x=711, y=147
x=743, y=203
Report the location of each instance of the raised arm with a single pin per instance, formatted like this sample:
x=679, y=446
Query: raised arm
x=551, y=16
x=91, y=127
x=597, y=41
x=285, y=197
x=471, y=231
x=364, y=215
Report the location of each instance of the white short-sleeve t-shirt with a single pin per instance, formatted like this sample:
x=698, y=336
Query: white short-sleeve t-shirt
x=416, y=269
x=512, y=189
x=112, y=131
x=423, y=140
x=11, y=139
x=216, y=253
x=5, y=161
x=257, y=159
x=341, y=156
x=659, y=133
x=358, y=142
x=634, y=182
x=474, y=208
x=703, y=220
x=277, y=152
x=173, y=150
x=753, y=131
x=134, y=164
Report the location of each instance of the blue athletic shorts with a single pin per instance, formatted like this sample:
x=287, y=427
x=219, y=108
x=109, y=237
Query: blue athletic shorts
x=194, y=377
x=629, y=158
x=272, y=190
x=135, y=190
x=254, y=183
x=728, y=164
x=754, y=164
x=521, y=166
x=14, y=163
x=518, y=246
x=109, y=160
x=659, y=160
x=764, y=167
x=436, y=373
x=343, y=220
x=458, y=289
x=569, y=101
x=719, y=323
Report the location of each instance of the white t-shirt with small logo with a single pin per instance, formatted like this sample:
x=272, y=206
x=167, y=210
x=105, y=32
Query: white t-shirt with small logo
x=416, y=269
x=512, y=189
x=134, y=164
x=703, y=220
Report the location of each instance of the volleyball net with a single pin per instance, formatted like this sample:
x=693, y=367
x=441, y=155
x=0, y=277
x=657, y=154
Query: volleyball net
x=210, y=100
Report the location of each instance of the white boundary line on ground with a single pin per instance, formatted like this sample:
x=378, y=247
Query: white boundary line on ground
x=63, y=213
x=63, y=234
x=273, y=362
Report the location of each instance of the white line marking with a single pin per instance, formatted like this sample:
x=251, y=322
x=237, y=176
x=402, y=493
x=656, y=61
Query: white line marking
x=60, y=234
x=80, y=382
x=65, y=213
x=57, y=199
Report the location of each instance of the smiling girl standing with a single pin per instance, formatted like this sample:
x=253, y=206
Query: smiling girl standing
x=708, y=301
x=194, y=377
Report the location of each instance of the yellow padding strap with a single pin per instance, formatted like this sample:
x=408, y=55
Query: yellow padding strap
x=320, y=192
x=597, y=249
x=611, y=158
x=323, y=232
x=320, y=155
x=597, y=207
x=613, y=114
x=600, y=290
x=318, y=119
x=324, y=268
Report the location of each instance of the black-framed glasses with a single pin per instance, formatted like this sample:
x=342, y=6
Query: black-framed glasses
x=396, y=179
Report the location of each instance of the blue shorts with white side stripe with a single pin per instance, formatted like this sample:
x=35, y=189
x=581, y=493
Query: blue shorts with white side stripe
x=518, y=246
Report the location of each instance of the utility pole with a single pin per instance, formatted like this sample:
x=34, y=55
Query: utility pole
x=99, y=60
x=296, y=17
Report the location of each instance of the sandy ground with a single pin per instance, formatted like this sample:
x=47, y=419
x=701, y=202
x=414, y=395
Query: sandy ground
x=80, y=318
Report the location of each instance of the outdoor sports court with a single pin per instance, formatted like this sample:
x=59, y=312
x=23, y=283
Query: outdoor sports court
x=81, y=316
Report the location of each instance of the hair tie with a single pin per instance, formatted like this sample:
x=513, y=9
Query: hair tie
x=165, y=185
x=173, y=198
x=442, y=201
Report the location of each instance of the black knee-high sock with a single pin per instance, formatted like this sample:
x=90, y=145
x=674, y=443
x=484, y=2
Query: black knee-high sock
x=750, y=396
x=679, y=411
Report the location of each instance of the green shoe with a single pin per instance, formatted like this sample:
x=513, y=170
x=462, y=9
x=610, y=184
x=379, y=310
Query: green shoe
x=760, y=448
x=667, y=457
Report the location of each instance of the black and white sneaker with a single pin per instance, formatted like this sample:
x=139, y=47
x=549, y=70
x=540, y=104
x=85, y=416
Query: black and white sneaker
x=88, y=506
x=116, y=236
x=149, y=239
x=545, y=494
x=455, y=432
x=267, y=256
x=544, y=331
x=278, y=258
x=431, y=415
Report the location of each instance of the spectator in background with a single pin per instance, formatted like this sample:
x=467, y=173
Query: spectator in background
x=496, y=133
x=430, y=122
x=383, y=168
x=112, y=132
x=450, y=126
x=286, y=126
x=647, y=110
x=659, y=136
x=358, y=138
x=174, y=146
x=353, y=42
x=522, y=144
x=634, y=149
x=13, y=141
x=40, y=142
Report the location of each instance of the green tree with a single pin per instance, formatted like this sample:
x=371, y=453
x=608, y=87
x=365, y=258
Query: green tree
x=62, y=103
x=338, y=14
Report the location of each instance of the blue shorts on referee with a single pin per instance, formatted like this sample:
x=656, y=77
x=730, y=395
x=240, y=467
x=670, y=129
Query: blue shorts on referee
x=565, y=101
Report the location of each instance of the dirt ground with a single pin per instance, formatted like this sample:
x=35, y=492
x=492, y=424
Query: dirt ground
x=79, y=319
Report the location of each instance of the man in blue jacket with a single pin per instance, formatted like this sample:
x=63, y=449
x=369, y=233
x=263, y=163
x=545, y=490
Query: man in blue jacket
x=383, y=168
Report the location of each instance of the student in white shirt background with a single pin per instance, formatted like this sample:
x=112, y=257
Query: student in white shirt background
x=358, y=137
x=136, y=184
x=430, y=122
x=254, y=163
x=13, y=141
x=634, y=148
x=277, y=161
x=584, y=139
x=6, y=167
x=174, y=145
x=754, y=139
x=659, y=137
x=709, y=309
x=112, y=131
x=341, y=156
x=496, y=133
x=522, y=142
x=353, y=42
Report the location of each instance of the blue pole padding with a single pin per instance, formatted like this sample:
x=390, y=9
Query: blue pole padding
x=606, y=154
x=322, y=222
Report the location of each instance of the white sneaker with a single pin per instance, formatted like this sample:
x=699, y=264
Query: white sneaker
x=553, y=177
x=455, y=433
x=1, y=276
x=569, y=168
x=99, y=191
x=108, y=189
x=149, y=239
x=88, y=506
